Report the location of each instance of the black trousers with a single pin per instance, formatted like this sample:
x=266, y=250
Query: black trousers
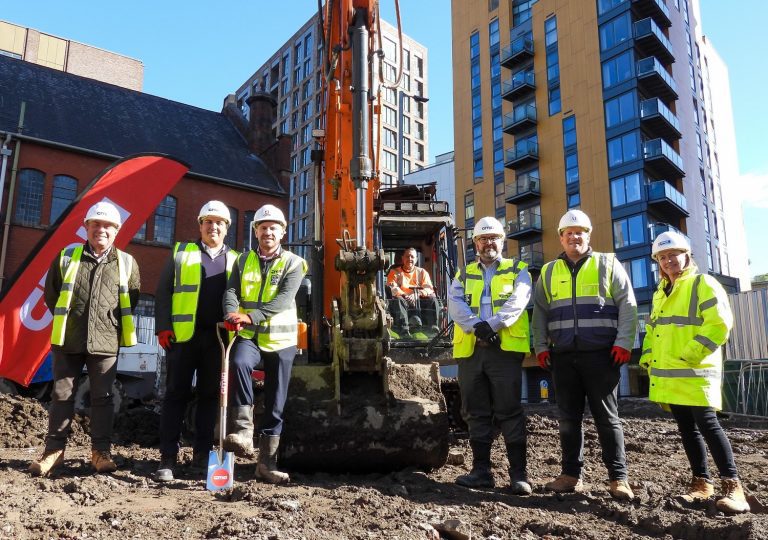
x=592, y=376
x=698, y=425
x=401, y=311
x=245, y=356
x=200, y=355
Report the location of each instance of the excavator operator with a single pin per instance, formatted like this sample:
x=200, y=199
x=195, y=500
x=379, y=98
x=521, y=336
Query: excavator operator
x=413, y=302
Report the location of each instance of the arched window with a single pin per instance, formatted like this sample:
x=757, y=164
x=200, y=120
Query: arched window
x=231, y=239
x=165, y=221
x=64, y=192
x=29, y=202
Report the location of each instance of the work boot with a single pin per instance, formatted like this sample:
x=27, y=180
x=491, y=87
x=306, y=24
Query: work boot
x=240, y=429
x=733, y=501
x=565, y=484
x=619, y=489
x=47, y=462
x=102, y=461
x=164, y=472
x=700, y=490
x=199, y=463
x=266, y=468
x=518, y=478
x=480, y=476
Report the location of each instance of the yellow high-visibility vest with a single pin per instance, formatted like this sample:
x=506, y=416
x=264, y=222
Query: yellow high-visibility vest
x=513, y=338
x=188, y=274
x=69, y=262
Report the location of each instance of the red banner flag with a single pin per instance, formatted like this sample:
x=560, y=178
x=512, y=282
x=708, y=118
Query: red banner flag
x=135, y=185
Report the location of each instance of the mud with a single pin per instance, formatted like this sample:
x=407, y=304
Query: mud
x=409, y=504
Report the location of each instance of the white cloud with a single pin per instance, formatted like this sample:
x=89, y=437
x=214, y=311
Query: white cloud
x=752, y=189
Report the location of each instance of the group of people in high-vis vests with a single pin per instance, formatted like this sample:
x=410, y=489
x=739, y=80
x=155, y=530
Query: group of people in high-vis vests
x=92, y=290
x=584, y=324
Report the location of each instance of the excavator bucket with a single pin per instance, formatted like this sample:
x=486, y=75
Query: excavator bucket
x=373, y=425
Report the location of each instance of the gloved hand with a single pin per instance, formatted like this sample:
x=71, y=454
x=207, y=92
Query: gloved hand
x=237, y=320
x=620, y=355
x=544, y=361
x=165, y=338
x=484, y=331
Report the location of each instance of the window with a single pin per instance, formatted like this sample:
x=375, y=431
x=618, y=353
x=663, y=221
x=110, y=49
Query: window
x=553, y=65
x=64, y=192
x=604, y=6
x=493, y=32
x=165, y=221
x=710, y=264
x=623, y=148
x=390, y=161
x=617, y=70
x=569, y=131
x=637, y=270
x=141, y=234
x=555, y=104
x=625, y=190
x=231, y=238
x=628, y=231
x=500, y=203
x=29, y=201
x=248, y=238
x=389, y=138
x=574, y=200
x=390, y=116
x=705, y=214
x=571, y=168
x=615, y=31
x=469, y=206
x=521, y=11
x=620, y=109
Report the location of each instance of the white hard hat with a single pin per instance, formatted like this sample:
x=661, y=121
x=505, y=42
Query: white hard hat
x=215, y=209
x=104, y=211
x=669, y=240
x=269, y=212
x=488, y=225
x=574, y=218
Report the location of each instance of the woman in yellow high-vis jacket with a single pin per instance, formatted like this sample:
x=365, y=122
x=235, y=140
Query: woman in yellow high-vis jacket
x=689, y=322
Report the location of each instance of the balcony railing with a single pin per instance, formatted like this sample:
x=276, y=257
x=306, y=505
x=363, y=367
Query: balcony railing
x=521, y=82
x=650, y=38
x=516, y=52
x=534, y=258
x=662, y=193
x=655, y=79
x=658, y=116
x=521, y=117
x=657, y=228
x=662, y=159
x=523, y=153
x=654, y=8
x=526, y=186
x=527, y=222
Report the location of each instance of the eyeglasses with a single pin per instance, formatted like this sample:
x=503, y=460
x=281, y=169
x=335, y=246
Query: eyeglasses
x=488, y=239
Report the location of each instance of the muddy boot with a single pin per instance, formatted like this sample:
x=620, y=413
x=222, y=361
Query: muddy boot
x=164, y=471
x=565, y=484
x=700, y=490
x=733, y=501
x=518, y=478
x=102, y=461
x=266, y=469
x=480, y=476
x=619, y=489
x=47, y=462
x=240, y=429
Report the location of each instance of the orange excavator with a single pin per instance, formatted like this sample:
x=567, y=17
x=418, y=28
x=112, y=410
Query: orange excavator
x=352, y=407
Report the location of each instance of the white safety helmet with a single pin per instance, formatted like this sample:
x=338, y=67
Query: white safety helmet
x=104, y=211
x=574, y=218
x=269, y=212
x=488, y=225
x=669, y=240
x=215, y=209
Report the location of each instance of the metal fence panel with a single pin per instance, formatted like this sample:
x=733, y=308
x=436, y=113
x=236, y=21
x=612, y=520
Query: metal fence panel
x=745, y=388
x=749, y=337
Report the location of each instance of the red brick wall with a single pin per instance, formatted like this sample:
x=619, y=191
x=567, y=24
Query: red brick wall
x=190, y=195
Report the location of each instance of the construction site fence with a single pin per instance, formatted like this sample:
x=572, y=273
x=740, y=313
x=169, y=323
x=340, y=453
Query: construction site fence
x=745, y=388
x=749, y=335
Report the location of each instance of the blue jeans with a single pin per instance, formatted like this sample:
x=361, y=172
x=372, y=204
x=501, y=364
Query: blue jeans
x=245, y=356
x=592, y=376
x=697, y=425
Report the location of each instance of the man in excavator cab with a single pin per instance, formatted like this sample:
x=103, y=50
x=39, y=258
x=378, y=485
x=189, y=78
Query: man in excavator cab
x=414, y=305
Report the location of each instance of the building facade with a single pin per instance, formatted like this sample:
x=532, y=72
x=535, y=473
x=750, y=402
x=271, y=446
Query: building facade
x=70, y=56
x=600, y=105
x=292, y=75
x=443, y=174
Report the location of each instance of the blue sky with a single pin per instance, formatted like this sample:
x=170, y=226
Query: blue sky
x=197, y=53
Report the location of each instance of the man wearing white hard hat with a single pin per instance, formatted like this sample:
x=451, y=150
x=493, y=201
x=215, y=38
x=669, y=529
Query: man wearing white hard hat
x=689, y=322
x=91, y=289
x=260, y=304
x=487, y=301
x=584, y=321
x=187, y=310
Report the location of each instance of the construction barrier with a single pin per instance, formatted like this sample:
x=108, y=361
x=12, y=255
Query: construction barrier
x=745, y=388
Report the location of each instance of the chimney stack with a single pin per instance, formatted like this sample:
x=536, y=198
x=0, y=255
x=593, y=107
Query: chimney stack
x=262, y=111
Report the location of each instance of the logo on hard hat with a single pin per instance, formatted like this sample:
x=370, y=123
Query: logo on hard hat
x=665, y=242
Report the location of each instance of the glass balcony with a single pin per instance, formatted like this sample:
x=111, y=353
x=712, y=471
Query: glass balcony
x=524, y=153
x=525, y=187
x=661, y=160
x=522, y=117
x=653, y=8
x=657, y=228
x=651, y=40
x=654, y=80
x=533, y=257
x=516, y=52
x=665, y=198
x=520, y=84
x=661, y=121
x=528, y=223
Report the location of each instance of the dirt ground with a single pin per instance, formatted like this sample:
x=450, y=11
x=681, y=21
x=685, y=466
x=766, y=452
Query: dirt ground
x=411, y=504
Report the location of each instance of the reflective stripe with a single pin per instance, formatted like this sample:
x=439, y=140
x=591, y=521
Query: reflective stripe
x=249, y=305
x=499, y=303
x=475, y=276
x=708, y=343
x=60, y=311
x=686, y=372
x=678, y=319
x=646, y=351
x=182, y=318
x=185, y=288
x=602, y=275
x=694, y=305
x=67, y=286
x=548, y=270
x=706, y=304
x=583, y=323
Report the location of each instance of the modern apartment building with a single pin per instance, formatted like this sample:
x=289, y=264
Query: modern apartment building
x=601, y=105
x=70, y=56
x=292, y=75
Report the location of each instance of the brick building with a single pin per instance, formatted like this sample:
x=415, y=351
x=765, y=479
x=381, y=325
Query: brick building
x=58, y=131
